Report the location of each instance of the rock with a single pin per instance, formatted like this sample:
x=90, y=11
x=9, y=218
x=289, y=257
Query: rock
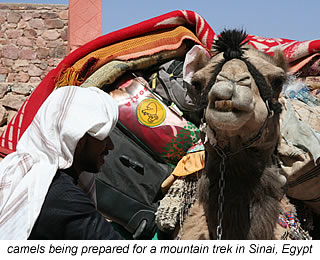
x=34, y=71
x=20, y=63
x=43, y=65
x=64, y=15
x=36, y=15
x=49, y=15
x=13, y=101
x=11, y=25
x=50, y=35
x=37, y=24
x=54, y=23
x=64, y=34
x=11, y=77
x=54, y=44
x=7, y=62
x=10, y=52
x=22, y=24
x=2, y=19
x=13, y=17
x=13, y=33
x=3, y=89
x=40, y=42
x=11, y=114
x=30, y=33
x=4, y=42
x=22, y=77
x=23, y=41
x=3, y=77
x=42, y=53
x=60, y=52
x=22, y=89
x=36, y=80
x=4, y=70
x=27, y=54
x=26, y=16
x=3, y=116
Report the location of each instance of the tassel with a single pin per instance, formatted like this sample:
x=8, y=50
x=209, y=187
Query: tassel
x=68, y=77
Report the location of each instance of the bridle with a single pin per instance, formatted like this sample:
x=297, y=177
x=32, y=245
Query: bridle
x=273, y=107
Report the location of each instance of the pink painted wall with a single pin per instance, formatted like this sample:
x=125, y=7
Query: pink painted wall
x=85, y=22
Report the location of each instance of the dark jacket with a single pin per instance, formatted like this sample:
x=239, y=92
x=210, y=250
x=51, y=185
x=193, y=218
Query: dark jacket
x=68, y=213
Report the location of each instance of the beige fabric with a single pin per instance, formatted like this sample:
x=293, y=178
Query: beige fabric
x=302, y=173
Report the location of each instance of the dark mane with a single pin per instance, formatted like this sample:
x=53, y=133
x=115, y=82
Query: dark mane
x=230, y=42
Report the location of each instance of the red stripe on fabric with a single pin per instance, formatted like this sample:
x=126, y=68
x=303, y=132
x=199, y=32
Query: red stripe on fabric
x=14, y=206
x=66, y=104
x=36, y=125
x=24, y=164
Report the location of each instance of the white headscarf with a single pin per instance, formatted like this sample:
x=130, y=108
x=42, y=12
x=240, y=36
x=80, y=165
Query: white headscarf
x=47, y=145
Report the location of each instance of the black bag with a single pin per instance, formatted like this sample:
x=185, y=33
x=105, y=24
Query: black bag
x=129, y=184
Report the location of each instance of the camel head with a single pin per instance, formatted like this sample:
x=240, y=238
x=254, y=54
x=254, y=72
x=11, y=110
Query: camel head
x=239, y=89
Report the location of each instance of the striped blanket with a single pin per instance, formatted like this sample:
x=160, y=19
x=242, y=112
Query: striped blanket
x=163, y=33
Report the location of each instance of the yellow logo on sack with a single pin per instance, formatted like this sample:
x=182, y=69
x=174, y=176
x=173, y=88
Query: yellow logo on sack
x=151, y=112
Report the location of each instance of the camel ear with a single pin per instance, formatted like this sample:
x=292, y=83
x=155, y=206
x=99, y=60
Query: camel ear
x=280, y=60
x=193, y=74
x=200, y=61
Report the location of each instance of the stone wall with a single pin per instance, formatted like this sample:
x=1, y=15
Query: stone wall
x=33, y=40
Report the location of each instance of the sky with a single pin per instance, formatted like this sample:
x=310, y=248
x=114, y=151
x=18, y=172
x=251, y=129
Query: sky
x=290, y=19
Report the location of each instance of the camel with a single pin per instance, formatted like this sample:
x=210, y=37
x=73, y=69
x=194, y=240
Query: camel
x=241, y=192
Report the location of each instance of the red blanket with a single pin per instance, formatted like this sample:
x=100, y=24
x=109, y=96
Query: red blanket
x=297, y=53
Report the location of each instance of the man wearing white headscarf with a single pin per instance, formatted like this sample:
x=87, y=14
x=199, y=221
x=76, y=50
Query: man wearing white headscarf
x=39, y=198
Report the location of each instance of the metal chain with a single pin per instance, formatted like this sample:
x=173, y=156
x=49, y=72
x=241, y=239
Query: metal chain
x=221, y=183
x=221, y=198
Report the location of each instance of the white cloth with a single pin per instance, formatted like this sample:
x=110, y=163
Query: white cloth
x=47, y=145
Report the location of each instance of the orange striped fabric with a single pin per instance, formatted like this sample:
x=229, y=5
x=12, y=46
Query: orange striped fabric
x=148, y=44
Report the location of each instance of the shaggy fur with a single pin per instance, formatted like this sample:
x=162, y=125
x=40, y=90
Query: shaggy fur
x=253, y=190
x=248, y=184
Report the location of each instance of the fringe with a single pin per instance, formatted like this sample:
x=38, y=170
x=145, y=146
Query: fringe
x=68, y=77
x=72, y=77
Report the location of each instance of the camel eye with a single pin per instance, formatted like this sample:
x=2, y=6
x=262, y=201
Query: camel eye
x=245, y=81
x=277, y=83
x=197, y=85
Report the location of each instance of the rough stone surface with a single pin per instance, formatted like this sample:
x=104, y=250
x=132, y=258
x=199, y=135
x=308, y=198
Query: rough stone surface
x=51, y=35
x=3, y=116
x=30, y=33
x=13, y=101
x=54, y=23
x=23, y=89
x=13, y=17
x=3, y=89
x=34, y=71
x=33, y=40
x=27, y=54
x=10, y=52
x=3, y=77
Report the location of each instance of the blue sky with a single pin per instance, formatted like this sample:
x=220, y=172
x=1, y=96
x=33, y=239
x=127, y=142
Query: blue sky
x=291, y=19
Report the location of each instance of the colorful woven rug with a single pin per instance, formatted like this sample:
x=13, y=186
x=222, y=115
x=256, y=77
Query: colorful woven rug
x=123, y=44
